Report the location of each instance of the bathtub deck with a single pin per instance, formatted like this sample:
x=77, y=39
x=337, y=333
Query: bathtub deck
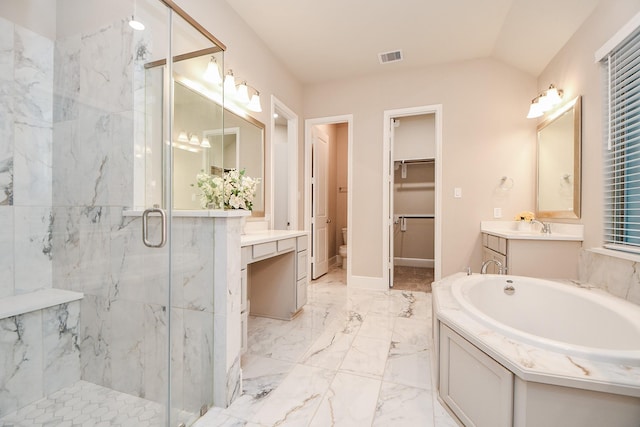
x=88, y=404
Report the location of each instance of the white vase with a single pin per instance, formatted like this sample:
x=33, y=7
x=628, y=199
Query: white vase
x=524, y=226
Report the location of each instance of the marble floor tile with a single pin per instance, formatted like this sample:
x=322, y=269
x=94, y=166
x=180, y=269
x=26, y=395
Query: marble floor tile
x=350, y=401
x=400, y=406
x=296, y=400
x=329, y=350
x=408, y=366
x=367, y=356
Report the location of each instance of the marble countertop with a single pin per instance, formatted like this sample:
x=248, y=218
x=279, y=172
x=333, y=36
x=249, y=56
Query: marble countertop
x=195, y=213
x=509, y=230
x=269, y=236
x=529, y=362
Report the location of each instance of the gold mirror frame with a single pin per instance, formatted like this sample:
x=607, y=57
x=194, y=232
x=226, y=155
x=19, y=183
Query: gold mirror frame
x=555, y=130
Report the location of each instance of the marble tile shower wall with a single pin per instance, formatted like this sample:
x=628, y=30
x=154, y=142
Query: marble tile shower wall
x=26, y=78
x=40, y=354
x=99, y=78
x=617, y=276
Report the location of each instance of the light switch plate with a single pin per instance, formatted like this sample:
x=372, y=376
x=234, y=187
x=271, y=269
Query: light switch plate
x=457, y=193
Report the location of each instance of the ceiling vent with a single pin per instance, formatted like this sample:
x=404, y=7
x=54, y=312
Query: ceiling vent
x=387, y=57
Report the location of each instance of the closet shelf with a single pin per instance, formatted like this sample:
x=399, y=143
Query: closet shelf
x=414, y=161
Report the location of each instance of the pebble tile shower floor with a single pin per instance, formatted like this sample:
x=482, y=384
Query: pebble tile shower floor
x=85, y=404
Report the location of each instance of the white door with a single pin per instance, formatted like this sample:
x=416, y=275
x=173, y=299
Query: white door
x=391, y=210
x=319, y=202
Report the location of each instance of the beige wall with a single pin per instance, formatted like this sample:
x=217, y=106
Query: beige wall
x=574, y=70
x=485, y=136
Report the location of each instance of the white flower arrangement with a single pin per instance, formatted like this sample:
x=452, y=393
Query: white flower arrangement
x=233, y=190
x=525, y=216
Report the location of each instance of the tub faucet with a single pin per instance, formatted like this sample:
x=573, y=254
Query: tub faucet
x=483, y=269
x=546, y=226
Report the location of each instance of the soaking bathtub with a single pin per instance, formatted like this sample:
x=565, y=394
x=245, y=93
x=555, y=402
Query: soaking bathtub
x=521, y=351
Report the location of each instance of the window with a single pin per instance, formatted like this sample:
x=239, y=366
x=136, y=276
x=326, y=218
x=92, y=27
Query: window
x=622, y=145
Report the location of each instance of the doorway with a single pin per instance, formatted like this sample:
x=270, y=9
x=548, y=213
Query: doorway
x=328, y=157
x=284, y=167
x=413, y=196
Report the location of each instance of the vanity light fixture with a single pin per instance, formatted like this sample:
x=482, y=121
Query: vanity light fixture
x=183, y=137
x=205, y=143
x=230, y=85
x=544, y=102
x=212, y=73
x=243, y=93
x=254, y=104
x=240, y=95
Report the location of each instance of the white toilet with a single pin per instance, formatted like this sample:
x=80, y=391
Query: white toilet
x=342, y=251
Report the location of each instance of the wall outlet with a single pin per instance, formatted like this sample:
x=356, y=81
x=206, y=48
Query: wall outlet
x=497, y=212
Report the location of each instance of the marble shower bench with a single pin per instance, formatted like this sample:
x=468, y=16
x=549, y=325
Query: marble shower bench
x=38, y=344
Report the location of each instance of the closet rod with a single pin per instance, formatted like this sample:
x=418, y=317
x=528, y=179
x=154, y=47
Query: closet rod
x=415, y=161
x=416, y=216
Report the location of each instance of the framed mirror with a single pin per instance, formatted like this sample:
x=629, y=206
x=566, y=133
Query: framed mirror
x=235, y=143
x=558, y=186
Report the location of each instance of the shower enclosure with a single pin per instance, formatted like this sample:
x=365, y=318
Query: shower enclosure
x=107, y=307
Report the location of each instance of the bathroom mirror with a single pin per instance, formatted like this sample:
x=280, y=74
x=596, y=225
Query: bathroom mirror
x=205, y=137
x=236, y=143
x=559, y=158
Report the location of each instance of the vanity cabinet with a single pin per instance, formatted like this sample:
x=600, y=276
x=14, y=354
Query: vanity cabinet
x=274, y=275
x=534, y=257
x=478, y=389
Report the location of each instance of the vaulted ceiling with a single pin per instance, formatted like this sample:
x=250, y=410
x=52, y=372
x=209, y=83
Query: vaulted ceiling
x=324, y=40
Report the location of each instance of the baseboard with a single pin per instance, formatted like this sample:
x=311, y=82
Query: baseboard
x=414, y=262
x=370, y=283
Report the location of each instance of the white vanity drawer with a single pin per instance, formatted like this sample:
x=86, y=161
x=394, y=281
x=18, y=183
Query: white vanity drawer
x=302, y=265
x=264, y=249
x=286, y=244
x=302, y=243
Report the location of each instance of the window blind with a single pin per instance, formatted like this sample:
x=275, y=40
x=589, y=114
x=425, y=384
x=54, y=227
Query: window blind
x=622, y=147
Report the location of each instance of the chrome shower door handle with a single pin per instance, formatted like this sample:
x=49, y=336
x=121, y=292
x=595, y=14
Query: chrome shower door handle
x=145, y=227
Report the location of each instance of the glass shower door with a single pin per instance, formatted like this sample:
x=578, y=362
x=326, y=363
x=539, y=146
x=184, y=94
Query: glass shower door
x=87, y=145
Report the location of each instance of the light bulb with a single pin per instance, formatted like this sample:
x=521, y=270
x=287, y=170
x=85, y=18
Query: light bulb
x=212, y=73
x=205, y=143
x=553, y=96
x=534, y=110
x=194, y=140
x=183, y=137
x=230, y=84
x=254, y=104
x=243, y=93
